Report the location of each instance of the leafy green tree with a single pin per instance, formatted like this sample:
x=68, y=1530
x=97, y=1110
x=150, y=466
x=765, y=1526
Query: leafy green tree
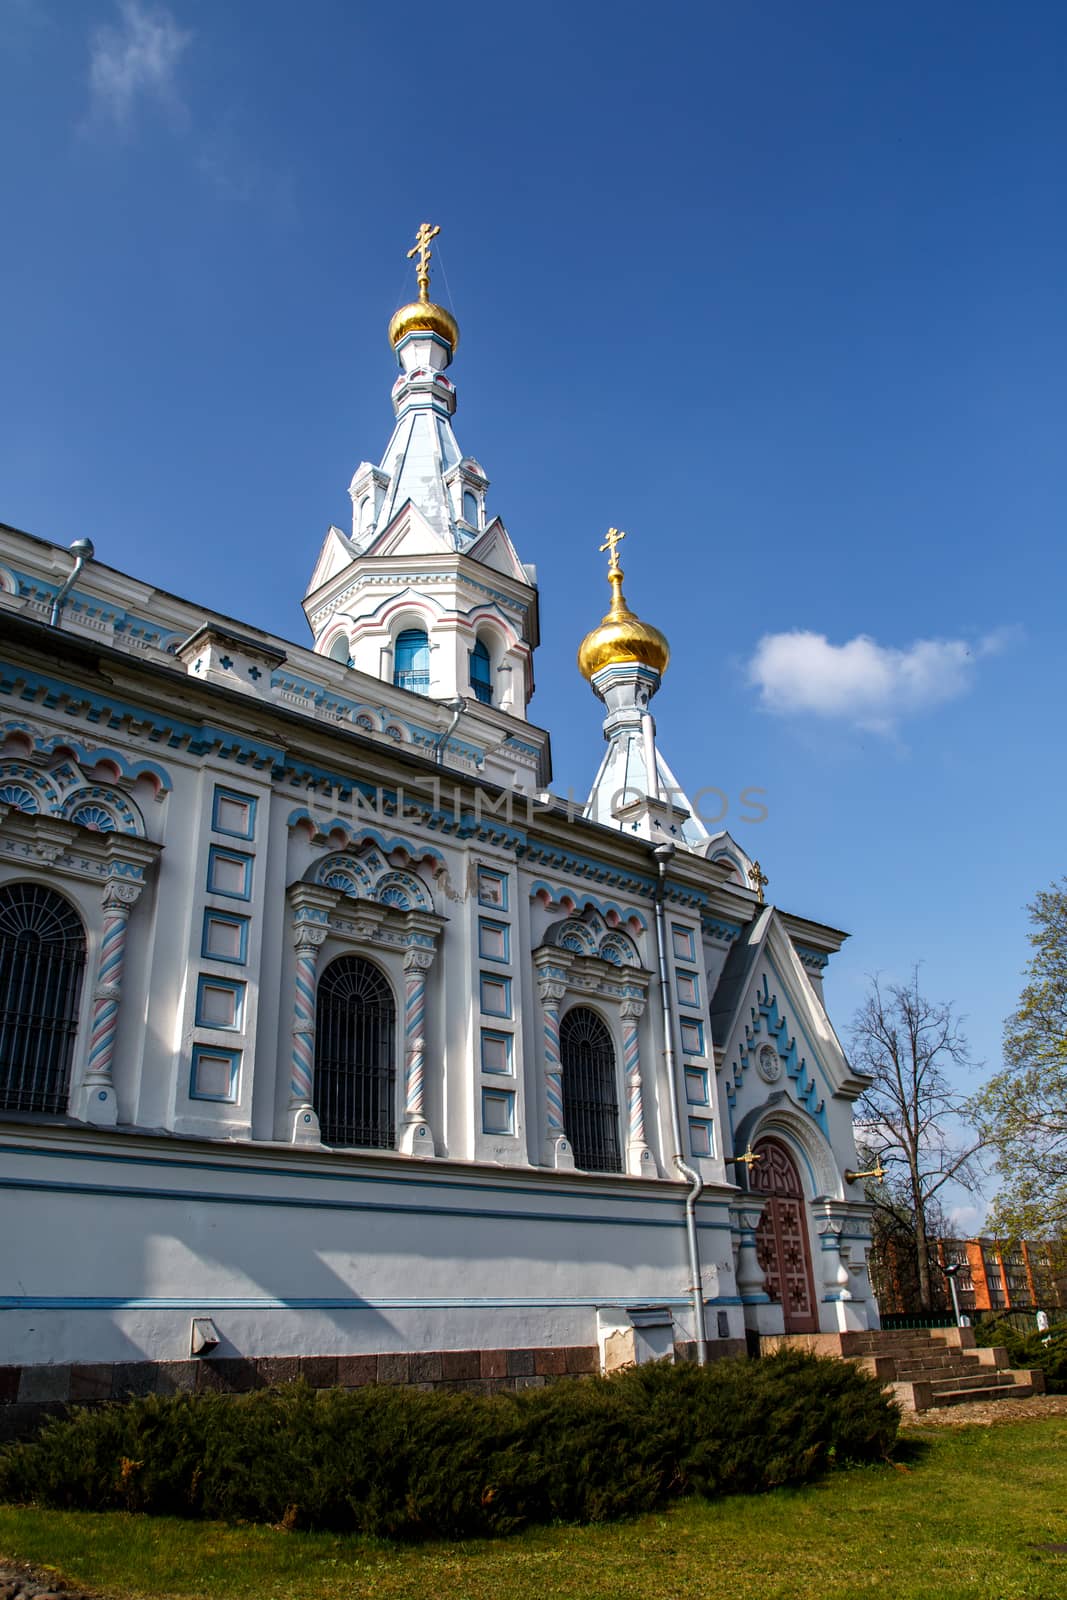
x=1023, y=1109
x=911, y=1117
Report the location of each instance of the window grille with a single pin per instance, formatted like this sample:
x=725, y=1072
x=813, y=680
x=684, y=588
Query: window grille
x=590, y=1098
x=355, y=1071
x=482, y=673
x=411, y=661
x=42, y=960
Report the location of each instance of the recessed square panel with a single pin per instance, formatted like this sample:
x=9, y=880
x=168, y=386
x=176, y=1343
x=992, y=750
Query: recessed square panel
x=495, y=995
x=701, y=1137
x=498, y=1111
x=229, y=872
x=696, y=1086
x=234, y=813
x=688, y=989
x=219, y=1002
x=496, y=1051
x=214, y=1074
x=225, y=937
x=492, y=889
x=682, y=939
x=692, y=1037
x=494, y=940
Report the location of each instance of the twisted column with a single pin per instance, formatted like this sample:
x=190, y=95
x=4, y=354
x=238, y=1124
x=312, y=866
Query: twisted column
x=639, y=1162
x=557, y=1147
x=303, y=1121
x=97, y=1094
x=416, y=1138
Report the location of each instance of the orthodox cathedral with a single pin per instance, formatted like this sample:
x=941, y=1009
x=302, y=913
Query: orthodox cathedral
x=330, y=1039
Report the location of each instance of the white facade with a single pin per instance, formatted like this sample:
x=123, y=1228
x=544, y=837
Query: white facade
x=234, y=822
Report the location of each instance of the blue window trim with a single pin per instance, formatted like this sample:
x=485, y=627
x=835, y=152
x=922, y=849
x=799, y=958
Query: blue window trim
x=507, y=1097
x=504, y=983
x=702, y=1097
x=248, y=800
x=498, y=1035
x=488, y=925
x=690, y=1026
x=411, y=660
x=692, y=978
x=487, y=875
x=233, y=1057
x=236, y=987
x=233, y=918
x=481, y=672
x=218, y=852
x=701, y=1129
x=677, y=932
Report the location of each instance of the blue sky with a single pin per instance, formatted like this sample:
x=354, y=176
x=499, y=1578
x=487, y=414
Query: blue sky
x=776, y=288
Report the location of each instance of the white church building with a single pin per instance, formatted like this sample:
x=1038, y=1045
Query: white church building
x=330, y=1039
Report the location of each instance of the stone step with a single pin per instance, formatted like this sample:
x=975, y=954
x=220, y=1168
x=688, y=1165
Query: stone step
x=1003, y=1391
x=990, y=1378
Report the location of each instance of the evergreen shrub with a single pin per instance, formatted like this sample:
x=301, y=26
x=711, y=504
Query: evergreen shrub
x=1030, y=1349
x=407, y=1464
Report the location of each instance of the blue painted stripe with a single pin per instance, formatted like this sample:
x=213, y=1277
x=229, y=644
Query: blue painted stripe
x=205, y=1303
x=191, y=1196
x=491, y=1184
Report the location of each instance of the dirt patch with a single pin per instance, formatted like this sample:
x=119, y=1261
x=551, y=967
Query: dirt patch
x=986, y=1414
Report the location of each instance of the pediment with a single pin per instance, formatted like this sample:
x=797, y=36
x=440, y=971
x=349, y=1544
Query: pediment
x=408, y=534
x=494, y=549
x=336, y=554
x=771, y=1031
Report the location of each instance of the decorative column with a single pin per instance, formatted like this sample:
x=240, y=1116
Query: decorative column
x=416, y=1138
x=310, y=906
x=843, y=1289
x=96, y=1100
x=551, y=987
x=745, y=1215
x=639, y=1162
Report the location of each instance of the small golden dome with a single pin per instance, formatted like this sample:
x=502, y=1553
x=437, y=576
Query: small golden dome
x=423, y=315
x=622, y=638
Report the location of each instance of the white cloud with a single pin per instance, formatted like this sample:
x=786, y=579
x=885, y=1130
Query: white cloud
x=135, y=59
x=869, y=684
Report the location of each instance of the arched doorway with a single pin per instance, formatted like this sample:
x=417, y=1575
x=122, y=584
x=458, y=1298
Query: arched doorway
x=590, y=1098
x=42, y=959
x=782, y=1236
x=355, y=1069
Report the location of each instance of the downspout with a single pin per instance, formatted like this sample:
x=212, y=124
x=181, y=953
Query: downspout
x=457, y=706
x=83, y=552
x=663, y=854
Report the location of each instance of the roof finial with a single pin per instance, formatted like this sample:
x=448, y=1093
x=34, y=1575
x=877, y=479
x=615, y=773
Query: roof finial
x=621, y=637
x=612, y=544
x=421, y=248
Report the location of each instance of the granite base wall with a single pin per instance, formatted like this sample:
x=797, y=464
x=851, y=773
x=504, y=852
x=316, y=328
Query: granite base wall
x=29, y=1395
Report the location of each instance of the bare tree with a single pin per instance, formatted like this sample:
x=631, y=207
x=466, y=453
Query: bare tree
x=911, y=1117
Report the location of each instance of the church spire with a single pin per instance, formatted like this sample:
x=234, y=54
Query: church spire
x=623, y=660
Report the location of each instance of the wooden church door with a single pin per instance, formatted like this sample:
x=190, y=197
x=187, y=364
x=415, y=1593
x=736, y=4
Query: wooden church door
x=782, y=1237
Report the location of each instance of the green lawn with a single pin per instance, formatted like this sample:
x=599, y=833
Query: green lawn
x=956, y=1518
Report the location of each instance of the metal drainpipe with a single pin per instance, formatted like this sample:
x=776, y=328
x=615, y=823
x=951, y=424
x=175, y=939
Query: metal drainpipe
x=457, y=706
x=663, y=854
x=83, y=551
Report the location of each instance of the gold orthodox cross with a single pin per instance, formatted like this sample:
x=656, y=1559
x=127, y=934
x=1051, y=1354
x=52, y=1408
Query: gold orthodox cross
x=758, y=879
x=421, y=248
x=612, y=544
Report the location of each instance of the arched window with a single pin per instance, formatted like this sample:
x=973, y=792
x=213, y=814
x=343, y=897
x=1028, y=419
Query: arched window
x=470, y=507
x=42, y=959
x=482, y=673
x=355, y=1072
x=339, y=650
x=411, y=661
x=590, y=1099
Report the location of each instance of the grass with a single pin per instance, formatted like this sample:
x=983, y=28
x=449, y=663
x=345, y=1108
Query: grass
x=955, y=1519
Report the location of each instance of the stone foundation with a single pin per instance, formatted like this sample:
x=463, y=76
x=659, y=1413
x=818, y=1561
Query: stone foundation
x=28, y=1395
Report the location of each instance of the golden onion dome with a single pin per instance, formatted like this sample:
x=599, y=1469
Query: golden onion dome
x=423, y=316
x=622, y=638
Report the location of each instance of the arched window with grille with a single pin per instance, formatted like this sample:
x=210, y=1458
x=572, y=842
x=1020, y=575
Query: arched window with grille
x=482, y=673
x=411, y=661
x=590, y=1096
x=355, y=1068
x=42, y=962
